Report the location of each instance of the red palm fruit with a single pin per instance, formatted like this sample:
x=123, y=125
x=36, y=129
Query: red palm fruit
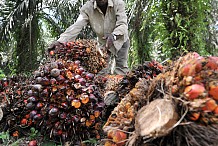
x=27, y=116
x=216, y=111
x=39, y=105
x=194, y=91
x=60, y=132
x=19, y=92
x=117, y=137
x=211, y=63
x=210, y=105
x=187, y=70
x=54, y=89
x=192, y=67
x=23, y=122
x=64, y=105
x=69, y=74
x=32, y=143
x=194, y=116
x=213, y=89
x=57, y=125
x=174, y=89
x=69, y=45
x=198, y=64
x=79, y=70
x=30, y=122
x=110, y=134
x=88, y=50
x=197, y=78
x=84, y=99
x=51, y=53
x=97, y=126
x=76, y=103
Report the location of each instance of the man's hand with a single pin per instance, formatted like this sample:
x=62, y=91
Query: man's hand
x=53, y=45
x=110, y=38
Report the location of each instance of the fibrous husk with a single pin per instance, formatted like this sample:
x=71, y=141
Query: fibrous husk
x=186, y=134
x=156, y=119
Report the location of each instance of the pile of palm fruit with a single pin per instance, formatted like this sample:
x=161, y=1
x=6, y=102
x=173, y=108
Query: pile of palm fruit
x=60, y=99
x=190, y=84
x=67, y=102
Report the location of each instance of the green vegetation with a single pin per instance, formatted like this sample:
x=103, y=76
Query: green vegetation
x=159, y=30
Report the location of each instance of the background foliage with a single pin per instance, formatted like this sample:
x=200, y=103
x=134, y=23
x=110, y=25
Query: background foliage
x=159, y=29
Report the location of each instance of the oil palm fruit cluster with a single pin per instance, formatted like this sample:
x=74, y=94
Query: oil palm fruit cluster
x=83, y=50
x=131, y=90
x=122, y=84
x=12, y=92
x=63, y=102
x=196, y=82
x=148, y=70
x=121, y=120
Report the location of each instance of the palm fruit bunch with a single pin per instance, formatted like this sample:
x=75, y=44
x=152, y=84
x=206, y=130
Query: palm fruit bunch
x=63, y=102
x=189, y=82
x=122, y=84
x=121, y=120
x=12, y=92
x=131, y=90
x=148, y=70
x=196, y=82
x=86, y=51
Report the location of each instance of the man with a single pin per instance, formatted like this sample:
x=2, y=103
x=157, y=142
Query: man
x=109, y=21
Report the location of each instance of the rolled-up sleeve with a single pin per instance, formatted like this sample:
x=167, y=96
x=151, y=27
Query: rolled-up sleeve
x=121, y=23
x=72, y=32
x=121, y=27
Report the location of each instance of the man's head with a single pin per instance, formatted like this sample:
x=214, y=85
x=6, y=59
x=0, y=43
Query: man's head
x=101, y=3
